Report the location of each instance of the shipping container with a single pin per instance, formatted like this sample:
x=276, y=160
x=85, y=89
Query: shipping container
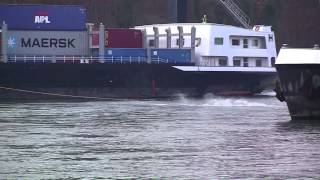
x=123, y=55
x=171, y=55
x=122, y=52
x=47, y=43
x=123, y=38
x=95, y=39
x=43, y=17
x=125, y=52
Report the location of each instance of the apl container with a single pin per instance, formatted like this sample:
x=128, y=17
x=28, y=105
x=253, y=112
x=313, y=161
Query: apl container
x=123, y=38
x=171, y=55
x=43, y=17
x=47, y=43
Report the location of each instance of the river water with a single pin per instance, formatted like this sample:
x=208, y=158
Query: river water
x=211, y=138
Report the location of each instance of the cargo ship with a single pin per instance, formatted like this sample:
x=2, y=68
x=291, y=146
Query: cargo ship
x=44, y=57
x=299, y=86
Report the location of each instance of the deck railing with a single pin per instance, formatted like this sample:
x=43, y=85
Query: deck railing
x=74, y=59
x=88, y=59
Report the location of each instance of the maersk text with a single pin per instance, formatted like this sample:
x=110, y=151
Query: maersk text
x=48, y=43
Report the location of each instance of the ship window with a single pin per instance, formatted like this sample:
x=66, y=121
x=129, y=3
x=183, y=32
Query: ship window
x=151, y=43
x=218, y=41
x=223, y=62
x=235, y=42
x=245, y=62
x=237, y=62
x=255, y=43
x=245, y=43
x=258, y=63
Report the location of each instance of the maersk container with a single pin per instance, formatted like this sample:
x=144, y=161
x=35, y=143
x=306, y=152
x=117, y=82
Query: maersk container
x=43, y=17
x=47, y=43
x=123, y=38
x=171, y=55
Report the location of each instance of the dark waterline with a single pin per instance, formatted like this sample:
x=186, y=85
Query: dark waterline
x=213, y=138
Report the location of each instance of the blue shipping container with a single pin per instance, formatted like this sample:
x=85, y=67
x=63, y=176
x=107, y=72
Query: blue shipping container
x=125, y=52
x=43, y=17
x=172, y=55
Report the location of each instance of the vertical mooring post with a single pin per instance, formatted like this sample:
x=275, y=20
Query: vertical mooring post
x=168, y=31
x=156, y=37
x=4, y=57
x=90, y=35
x=193, y=43
x=146, y=45
x=144, y=38
x=101, y=42
x=180, y=30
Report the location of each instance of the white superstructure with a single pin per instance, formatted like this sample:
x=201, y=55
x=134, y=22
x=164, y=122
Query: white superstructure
x=220, y=45
x=299, y=56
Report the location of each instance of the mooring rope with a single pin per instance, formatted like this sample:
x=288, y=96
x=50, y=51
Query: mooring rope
x=59, y=95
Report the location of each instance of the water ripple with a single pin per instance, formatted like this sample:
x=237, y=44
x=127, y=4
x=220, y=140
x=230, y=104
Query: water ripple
x=213, y=138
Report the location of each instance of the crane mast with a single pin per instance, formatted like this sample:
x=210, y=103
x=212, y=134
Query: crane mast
x=236, y=12
x=178, y=11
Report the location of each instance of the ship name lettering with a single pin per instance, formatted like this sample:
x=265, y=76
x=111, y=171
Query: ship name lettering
x=42, y=19
x=48, y=43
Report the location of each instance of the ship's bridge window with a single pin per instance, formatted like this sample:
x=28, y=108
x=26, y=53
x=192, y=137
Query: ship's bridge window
x=258, y=63
x=237, y=62
x=245, y=62
x=235, y=42
x=255, y=43
x=218, y=41
x=223, y=61
x=245, y=43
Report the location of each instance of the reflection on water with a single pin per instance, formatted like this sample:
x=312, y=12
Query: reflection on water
x=301, y=125
x=212, y=138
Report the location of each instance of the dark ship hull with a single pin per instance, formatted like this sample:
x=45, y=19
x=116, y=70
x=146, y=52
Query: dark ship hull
x=300, y=88
x=102, y=81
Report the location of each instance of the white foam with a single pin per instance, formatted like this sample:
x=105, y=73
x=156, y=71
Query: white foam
x=229, y=102
x=268, y=93
x=214, y=101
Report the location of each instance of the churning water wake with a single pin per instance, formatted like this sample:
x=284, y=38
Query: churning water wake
x=270, y=93
x=218, y=101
